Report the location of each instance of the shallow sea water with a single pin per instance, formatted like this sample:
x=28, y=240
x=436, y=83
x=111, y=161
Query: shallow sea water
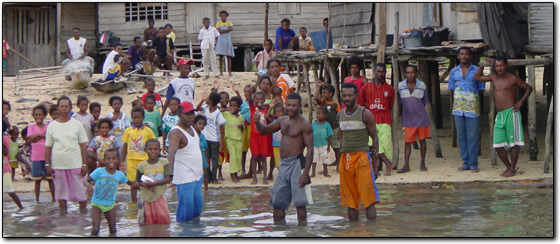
x=417, y=210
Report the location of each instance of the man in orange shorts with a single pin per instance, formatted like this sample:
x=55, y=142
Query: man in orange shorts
x=413, y=96
x=357, y=174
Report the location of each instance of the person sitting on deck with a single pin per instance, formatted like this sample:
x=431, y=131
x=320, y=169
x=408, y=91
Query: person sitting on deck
x=137, y=54
x=150, y=33
x=160, y=55
x=77, y=52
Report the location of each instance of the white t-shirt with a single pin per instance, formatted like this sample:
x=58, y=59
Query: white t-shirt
x=76, y=47
x=213, y=122
x=65, y=139
x=182, y=88
x=188, y=160
x=109, y=61
x=207, y=37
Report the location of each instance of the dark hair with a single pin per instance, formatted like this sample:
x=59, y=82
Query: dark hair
x=275, y=90
x=52, y=109
x=81, y=98
x=294, y=95
x=176, y=99
x=118, y=44
x=168, y=25
x=205, y=18
x=5, y=126
x=272, y=60
x=113, y=98
x=150, y=141
x=279, y=106
x=148, y=79
x=266, y=77
x=161, y=28
x=12, y=128
x=137, y=38
x=137, y=103
x=104, y=120
x=268, y=40
x=464, y=48
x=224, y=12
x=326, y=19
x=383, y=65
x=215, y=98
x=23, y=132
x=40, y=107
x=285, y=20
x=250, y=86
x=75, y=28
x=94, y=105
x=151, y=96
x=4, y=102
x=323, y=109
x=303, y=27
x=259, y=93
x=350, y=85
x=328, y=87
x=236, y=99
x=501, y=57
x=150, y=20
x=357, y=60
x=137, y=110
x=111, y=150
x=200, y=117
x=410, y=65
x=222, y=93
x=64, y=98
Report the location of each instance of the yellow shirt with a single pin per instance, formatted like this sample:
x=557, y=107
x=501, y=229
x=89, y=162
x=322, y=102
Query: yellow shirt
x=172, y=36
x=136, y=138
x=220, y=24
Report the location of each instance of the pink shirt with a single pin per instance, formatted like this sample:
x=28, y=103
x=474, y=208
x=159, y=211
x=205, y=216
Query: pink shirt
x=263, y=57
x=6, y=159
x=358, y=82
x=38, y=147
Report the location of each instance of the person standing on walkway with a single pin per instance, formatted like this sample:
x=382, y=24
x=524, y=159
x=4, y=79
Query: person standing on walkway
x=357, y=172
x=224, y=47
x=466, y=93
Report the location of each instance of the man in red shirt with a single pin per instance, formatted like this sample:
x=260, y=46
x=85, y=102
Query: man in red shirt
x=377, y=96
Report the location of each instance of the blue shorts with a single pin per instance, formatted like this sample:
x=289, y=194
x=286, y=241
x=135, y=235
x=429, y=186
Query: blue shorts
x=189, y=196
x=38, y=171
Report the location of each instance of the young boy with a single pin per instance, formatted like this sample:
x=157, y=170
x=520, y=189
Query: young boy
x=95, y=110
x=326, y=100
x=154, y=174
x=104, y=196
x=169, y=120
x=137, y=103
x=102, y=142
x=199, y=124
x=162, y=52
x=13, y=133
x=322, y=133
x=233, y=136
x=150, y=85
x=279, y=111
x=152, y=118
x=36, y=136
x=260, y=144
x=214, y=130
x=263, y=56
x=82, y=115
x=134, y=139
x=305, y=43
x=207, y=37
x=224, y=154
x=6, y=180
x=246, y=113
x=53, y=112
x=181, y=87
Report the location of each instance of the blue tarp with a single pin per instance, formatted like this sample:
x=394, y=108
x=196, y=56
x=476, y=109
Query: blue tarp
x=319, y=39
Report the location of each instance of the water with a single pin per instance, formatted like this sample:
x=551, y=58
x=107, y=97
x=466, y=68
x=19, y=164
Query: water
x=448, y=210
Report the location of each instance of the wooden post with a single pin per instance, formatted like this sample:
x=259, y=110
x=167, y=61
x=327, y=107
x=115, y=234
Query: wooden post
x=547, y=136
x=308, y=88
x=327, y=47
x=57, y=37
x=433, y=68
x=382, y=33
x=491, y=116
x=434, y=132
x=266, y=21
x=334, y=81
x=298, y=78
x=452, y=64
x=532, y=113
x=395, y=113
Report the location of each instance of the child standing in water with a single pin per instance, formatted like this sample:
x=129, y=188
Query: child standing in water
x=279, y=111
x=322, y=133
x=199, y=124
x=157, y=174
x=6, y=180
x=36, y=136
x=105, y=193
x=102, y=142
x=224, y=47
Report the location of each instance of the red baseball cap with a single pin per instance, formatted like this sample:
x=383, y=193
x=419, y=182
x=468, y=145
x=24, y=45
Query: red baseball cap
x=185, y=61
x=186, y=107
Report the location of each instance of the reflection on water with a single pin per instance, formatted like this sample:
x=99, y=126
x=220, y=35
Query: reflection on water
x=476, y=210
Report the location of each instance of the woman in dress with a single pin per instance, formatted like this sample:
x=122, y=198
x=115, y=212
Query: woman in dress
x=224, y=46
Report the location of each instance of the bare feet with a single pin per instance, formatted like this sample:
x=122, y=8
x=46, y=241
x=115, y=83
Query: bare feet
x=321, y=172
x=389, y=168
x=327, y=175
x=509, y=173
x=245, y=176
x=265, y=181
x=221, y=178
x=313, y=175
x=270, y=177
x=503, y=173
x=254, y=182
x=234, y=178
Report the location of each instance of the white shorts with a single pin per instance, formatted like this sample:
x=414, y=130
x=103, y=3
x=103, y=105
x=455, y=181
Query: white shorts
x=7, y=183
x=320, y=155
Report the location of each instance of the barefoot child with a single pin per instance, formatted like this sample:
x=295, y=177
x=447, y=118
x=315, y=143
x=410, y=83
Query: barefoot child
x=13, y=133
x=199, y=124
x=150, y=85
x=326, y=100
x=134, y=139
x=105, y=193
x=82, y=115
x=233, y=135
x=6, y=180
x=277, y=96
x=322, y=133
x=102, y=142
x=207, y=36
x=260, y=144
x=224, y=47
x=95, y=111
x=137, y=103
x=246, y=113
x=153, y=176
x=279, y=111
x=169, y=120
x=214, y=130
x=152, y=117
x=224, y=155
x=36, y=136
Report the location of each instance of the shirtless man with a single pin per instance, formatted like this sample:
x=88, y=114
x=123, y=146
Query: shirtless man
x=150, y=33
x=291, y=182
x=507, y=129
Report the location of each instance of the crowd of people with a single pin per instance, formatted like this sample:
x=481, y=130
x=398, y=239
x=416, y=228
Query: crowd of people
x=185, y=143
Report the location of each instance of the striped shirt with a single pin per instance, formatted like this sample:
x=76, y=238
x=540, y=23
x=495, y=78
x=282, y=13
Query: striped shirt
x=379, y=100
x=414, y=115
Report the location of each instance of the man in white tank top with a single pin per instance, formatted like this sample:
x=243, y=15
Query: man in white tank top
x=77, y=53
x=185, y=158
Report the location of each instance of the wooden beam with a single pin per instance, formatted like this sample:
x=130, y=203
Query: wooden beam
x=24, y=57
x=491, y=116
x=536, y=49
x=434, y=132
x=435, y=93
x=395, y=113
x=547, y=136
x=382, y=33
x=522, y=62
x=266, y=21
x=532, y=113
x=308, y=88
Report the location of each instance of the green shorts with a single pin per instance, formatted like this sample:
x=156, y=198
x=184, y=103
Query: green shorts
x=103, y=208
x=385, y=140
x=508, y=130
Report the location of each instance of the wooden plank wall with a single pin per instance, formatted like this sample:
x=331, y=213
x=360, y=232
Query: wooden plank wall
x=352, y=23
x=541, y=24
x=83, y=16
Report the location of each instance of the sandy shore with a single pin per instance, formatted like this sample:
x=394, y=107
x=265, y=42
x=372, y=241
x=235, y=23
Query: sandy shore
x=440, y=169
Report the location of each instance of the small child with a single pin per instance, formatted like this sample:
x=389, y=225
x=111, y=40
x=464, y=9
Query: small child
x=82, y=115
x=248, y=92
x=14, y=148
x=263, y=56
x=169, y=120
x=265, y=86
x=137, y=103
x=23, y=155
x=207, y=36
x=7, y=186
x=120, y=120
x=261, y=145
x=277, y=96
x=326, y=100
x=104, y=196
x=134, y=139
x=6, y=108
x=224, y=155
x=214, y=130
x=322, y=133
x=102, y=142
x=91, y=161
x=53, y=112
x=279, y=111
x=36, y=136
x=305, y=43
x=233, y=136
x=152, y=118
x=199, y=124
x=154, y=174
x=150, y=85
x=95, y=111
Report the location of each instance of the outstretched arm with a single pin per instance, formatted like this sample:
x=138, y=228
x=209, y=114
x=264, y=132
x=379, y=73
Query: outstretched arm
x=266, y=129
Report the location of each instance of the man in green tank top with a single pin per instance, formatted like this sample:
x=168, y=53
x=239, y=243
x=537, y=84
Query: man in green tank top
x=357, y=174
